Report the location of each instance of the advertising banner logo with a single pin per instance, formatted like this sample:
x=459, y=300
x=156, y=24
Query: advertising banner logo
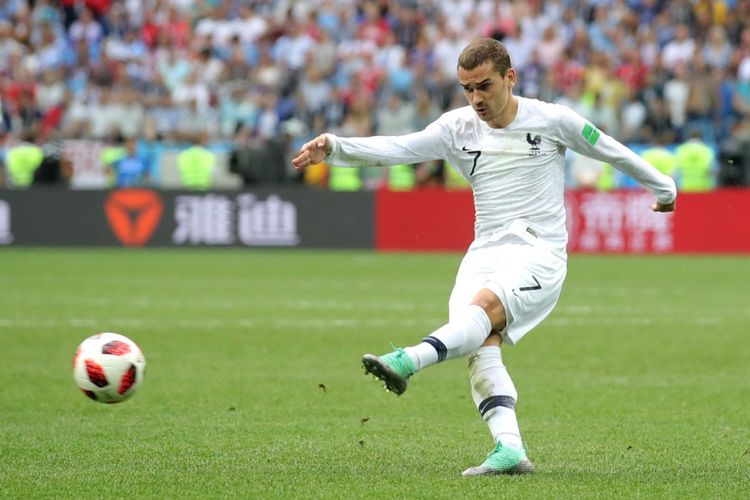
x=215, y=219
x=133, y=215
x=620, y=222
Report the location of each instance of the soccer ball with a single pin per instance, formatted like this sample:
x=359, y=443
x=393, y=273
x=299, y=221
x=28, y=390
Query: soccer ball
x=108, y=367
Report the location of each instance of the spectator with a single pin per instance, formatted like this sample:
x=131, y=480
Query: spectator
x=447, y=50
x=268, y=115
x=722, y=111
x=567, y=72
x=374, y=26
x=192, y=121
x=176, y=27
x=22, y=160
x=315, y=92
x=406, y=24
x=237, y=110
x=249, y=26
x=86, y=29
x=649, y=48
x=676, y=92
x=268, y=73
x=601, y=30
x=521, y=47
x=25, y=115
x=425, y=110
x=550, y=47
x=103, y=114
x=397, y=117
x=324, y=55
x=681, y=49
x=9, y=46
x=293, y=47
x=696, y=167
x=194, y=91
x=216, y=25
x=358, y=120
x=208, y=68
x=700, y=100
x=658, y=127
x=50, y=91
x=604, y=116
x=49, y=50
x=173, y=69
x=129, y=169
x=237, y=60
x=632, y=70
x=634, y=116
x=196, y=165
x=717, y=52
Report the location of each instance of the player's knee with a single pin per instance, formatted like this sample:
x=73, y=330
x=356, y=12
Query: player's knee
x=491, y=304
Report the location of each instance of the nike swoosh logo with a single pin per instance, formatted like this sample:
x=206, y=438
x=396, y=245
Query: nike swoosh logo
x=464, y=148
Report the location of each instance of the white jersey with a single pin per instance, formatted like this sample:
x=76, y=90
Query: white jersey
x=516, y=172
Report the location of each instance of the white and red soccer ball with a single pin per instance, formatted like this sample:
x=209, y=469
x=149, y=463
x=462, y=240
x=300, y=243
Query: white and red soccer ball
x=108, y=367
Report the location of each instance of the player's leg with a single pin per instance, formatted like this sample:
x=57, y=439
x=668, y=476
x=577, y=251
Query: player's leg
x=467, y=328
x=459, y=337
x=495, y=396
x=465, y=331
x=528, y=293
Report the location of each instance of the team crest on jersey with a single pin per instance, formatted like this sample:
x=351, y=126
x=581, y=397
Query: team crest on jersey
x=534, y=142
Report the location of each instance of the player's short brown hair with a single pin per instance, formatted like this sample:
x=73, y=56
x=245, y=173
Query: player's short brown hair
x=482, y=50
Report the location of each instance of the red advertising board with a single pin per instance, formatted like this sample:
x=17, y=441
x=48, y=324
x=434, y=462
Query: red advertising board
x=713, y=222
x=429, y=219
x=617, y=222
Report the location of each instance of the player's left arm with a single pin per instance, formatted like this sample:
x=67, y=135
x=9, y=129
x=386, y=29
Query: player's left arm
x=584, y=138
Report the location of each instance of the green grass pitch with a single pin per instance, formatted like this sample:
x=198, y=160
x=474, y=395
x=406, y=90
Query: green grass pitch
x=638, y=384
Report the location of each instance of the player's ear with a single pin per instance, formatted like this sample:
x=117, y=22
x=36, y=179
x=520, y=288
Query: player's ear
x=510, y=76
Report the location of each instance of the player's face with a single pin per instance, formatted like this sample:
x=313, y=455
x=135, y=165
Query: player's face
x=490, y=94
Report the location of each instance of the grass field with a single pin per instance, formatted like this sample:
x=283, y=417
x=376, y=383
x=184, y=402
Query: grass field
x=638, y=385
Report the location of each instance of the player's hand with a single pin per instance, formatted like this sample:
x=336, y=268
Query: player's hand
x=663, y=207
x=312, y=152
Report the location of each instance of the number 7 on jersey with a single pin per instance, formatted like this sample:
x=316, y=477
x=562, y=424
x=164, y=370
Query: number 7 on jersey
x=476, y=154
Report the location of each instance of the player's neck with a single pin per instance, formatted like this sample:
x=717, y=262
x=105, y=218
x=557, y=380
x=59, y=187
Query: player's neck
x=508, y=115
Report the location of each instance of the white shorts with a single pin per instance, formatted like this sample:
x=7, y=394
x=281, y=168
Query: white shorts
x=526, y=277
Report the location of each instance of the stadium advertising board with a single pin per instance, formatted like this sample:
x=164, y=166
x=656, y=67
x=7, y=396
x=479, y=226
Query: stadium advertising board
x=140, y=217
x=430, y=220
x=426, y=220
x=598, y=222
x=617, y=222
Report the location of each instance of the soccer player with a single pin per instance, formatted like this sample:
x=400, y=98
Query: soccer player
x=511, y=150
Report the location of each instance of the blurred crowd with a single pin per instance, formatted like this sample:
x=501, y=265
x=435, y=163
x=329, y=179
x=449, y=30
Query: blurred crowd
x=264, y=75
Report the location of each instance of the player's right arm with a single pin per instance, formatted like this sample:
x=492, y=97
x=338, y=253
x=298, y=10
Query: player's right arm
x=427, y=144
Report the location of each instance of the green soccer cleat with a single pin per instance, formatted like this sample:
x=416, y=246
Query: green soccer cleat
x=394, y=369
x=503, y=460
